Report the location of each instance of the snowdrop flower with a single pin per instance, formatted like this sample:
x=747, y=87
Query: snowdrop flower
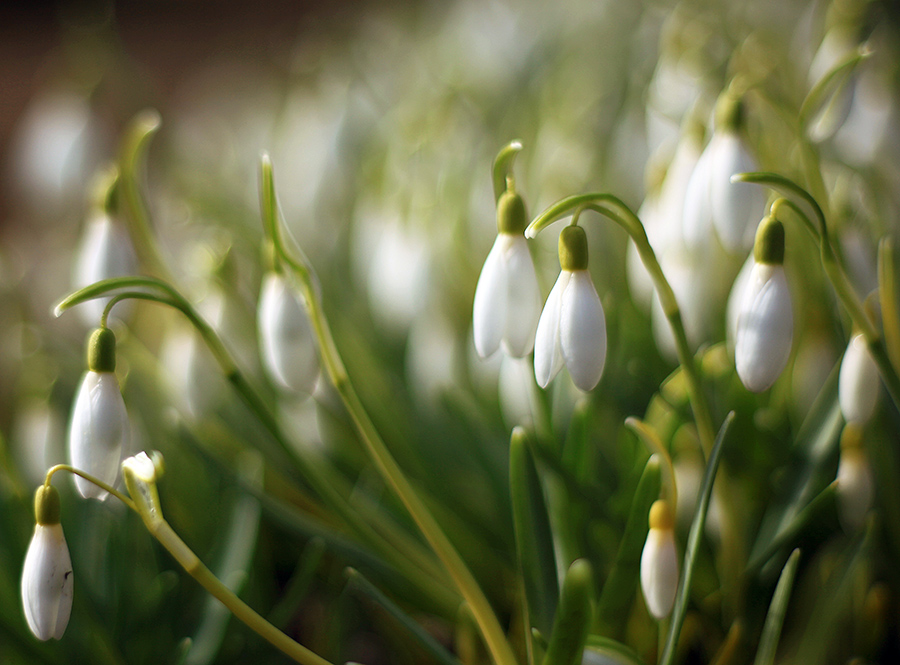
x=711, y=199
x=104, y=252
x=854, y=480
x=286, y=341
x=572, y=327
x=659, y=562
x=858, y=383
x=765, y=320
x=99, y=429
x=507, y=298
x=47, y=580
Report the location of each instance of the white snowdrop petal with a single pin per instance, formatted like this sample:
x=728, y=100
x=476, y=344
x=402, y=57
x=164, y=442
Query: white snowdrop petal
x=582, y=331
x=765, y=328
x=736, y=207
x=104, y=252
x=697, y=222
x=286, y=339
x=547, y=354
x=47, y=583
x=659, y=572
x=489, y=308
x=736, y=301
x=523, y=298
x=854, y=489
x=98, y=431
x=859, y=383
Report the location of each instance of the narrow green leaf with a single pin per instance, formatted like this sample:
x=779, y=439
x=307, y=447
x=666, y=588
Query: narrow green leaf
x=768, y=643
x=240, y=543
x=573, y=616
x=693, y=545
x=831, y=84
x=613, y=651
x=619, y=588
x=360, y=584
x=298, y=586
x=815, y=457
x=887, y=297
x=534, y=539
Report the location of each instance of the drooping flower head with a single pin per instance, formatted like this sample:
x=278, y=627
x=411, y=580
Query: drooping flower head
x=858, y=383
x=855, y=483
x=99, y=428
x=286, y=340
x=765, y=324
x=507, y=298
x=711, y=200
x=659, y=561
x=47, y=580
x=572, y=327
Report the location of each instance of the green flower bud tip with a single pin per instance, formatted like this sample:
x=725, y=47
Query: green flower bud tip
x=101, y=352
x=511, y=217
x=573, y=249
x=729, y=112
x=46, y=505
x=769, y=245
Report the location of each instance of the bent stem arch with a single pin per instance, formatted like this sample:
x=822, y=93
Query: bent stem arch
x=613, y=208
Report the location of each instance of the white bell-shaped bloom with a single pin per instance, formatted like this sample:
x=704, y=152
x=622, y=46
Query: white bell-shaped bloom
x=765, y=326
x=47, y=580
x=735, y=206
x=99, y=429
x=572, y=327
x=711, y=200
x=104, y=252
x=858, y=383
x=507, y=298
x=659, y=562
x=286, y=340
x=855, y=483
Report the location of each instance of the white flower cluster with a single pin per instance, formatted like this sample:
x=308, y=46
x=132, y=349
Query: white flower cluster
x=570, y=331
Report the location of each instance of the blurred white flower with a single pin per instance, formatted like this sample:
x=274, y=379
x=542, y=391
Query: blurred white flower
x=855, y=482
x=711, y=199
x=836, y=47
x=99, y=429
x=53, y=149
x=572, y=327
x=659, y=562
x=47, y=581
x=859, y=382
x=104, y=252
x=286, y=340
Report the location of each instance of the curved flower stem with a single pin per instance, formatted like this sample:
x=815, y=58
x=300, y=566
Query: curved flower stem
x=133, y=152
x=191, y=563
x=502, y=167
x=493, y=634
x=411, y=559
x=91, y=479
x=833, y=270
x=613, y=208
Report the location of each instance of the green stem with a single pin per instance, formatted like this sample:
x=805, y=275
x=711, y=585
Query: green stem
x=133, y=151
x=411, y=558
x=91, y=479
x=481, y=609
x=833, y=271
x=614, y=209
